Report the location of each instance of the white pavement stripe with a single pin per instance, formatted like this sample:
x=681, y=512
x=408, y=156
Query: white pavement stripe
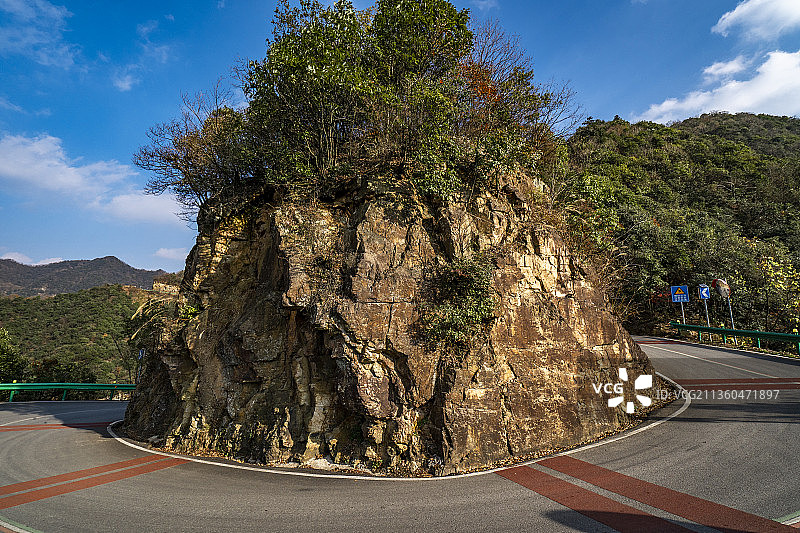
x=714, y=362
x=16, y=528
x=687, y=402
x=624, y=435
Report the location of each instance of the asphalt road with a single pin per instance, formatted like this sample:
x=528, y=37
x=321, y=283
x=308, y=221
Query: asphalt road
x=723, y=461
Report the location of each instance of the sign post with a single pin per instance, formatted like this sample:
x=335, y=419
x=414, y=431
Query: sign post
x=680, y=294
x=704, y=291
x=724, y=290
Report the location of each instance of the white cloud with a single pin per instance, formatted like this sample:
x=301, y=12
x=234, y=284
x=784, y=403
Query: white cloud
x=41, y=162
x=773, y=89
x=761, y=19
x=725, y=69
x=127, y=77
x=176, y=254
x=124, y=80
x=18, y=257
x=144, y=30
x=151, y=50
x=161, y=53
x=35, y=29
x=139, y=207
x=485, y=5
x=5, y=103
x=48, y=261
x=25, y=260
x=40, y=167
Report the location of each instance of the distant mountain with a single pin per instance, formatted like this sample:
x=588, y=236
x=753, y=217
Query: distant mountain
x=70, y=276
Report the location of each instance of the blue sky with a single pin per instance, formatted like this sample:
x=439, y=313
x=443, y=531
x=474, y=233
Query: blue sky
x=81, y=82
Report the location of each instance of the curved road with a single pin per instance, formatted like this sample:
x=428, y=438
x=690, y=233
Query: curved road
x=727, y=460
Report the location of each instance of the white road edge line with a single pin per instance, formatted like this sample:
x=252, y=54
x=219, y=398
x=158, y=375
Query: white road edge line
x=16, y=528
x=625, y=435
x=734, y=347
x=789, y=519
x=714, y=362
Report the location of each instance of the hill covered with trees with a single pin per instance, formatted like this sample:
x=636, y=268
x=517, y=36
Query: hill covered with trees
x=716, y=196
x=766, y=134
x=81, y=336
x=70, y=276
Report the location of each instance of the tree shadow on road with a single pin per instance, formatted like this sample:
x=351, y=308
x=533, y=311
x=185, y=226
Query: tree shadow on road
x=85, y=415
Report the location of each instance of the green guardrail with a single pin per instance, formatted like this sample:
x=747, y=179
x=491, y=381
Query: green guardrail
x=13, y=387
x=789, y=338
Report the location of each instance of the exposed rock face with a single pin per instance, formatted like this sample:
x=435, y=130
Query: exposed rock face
x=305, y=342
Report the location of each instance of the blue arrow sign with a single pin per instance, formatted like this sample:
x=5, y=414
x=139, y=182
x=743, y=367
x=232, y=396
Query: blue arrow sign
x=680, y=293
x=705, y=292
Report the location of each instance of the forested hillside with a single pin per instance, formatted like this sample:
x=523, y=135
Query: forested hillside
x=714, y=197
x=775, y=136
x=77, y=337
x=70, y=276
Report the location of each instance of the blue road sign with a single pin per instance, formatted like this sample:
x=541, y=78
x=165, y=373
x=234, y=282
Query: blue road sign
x=680, y=293
x=705, y=292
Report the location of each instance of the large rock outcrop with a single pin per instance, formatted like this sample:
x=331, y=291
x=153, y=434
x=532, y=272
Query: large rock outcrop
x=302, y=340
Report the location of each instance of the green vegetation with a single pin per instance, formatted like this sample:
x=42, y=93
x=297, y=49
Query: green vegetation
x=12, y=364
x=170, y=278
x=80, y=337
x=459, y=303
x=407, y=91
x=668, y=205
x=766, y=134
x=413, y=94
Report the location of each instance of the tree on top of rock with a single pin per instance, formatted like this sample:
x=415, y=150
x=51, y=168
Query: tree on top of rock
x=405, y=89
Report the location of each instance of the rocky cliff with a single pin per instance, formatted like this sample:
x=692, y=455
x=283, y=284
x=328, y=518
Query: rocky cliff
x=306, y=333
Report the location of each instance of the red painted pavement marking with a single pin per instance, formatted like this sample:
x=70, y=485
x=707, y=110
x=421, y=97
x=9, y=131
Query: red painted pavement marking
x=4, y=530
x=49, y=492
x=69, y=476
x=619, y=516
x=703, y=512
x=31, y=427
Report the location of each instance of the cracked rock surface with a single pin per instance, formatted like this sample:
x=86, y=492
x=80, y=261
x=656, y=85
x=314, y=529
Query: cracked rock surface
x=305, y=342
